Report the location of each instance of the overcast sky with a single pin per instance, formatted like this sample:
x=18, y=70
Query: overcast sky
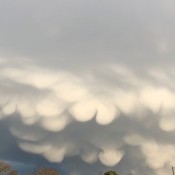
x=88, y=85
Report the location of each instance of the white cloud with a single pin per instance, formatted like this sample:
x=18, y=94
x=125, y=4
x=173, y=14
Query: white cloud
x=167, y=122
x=158, y=155
x=134, y=139
x=49, y=106
x=39, y=77
x=90, y=157
x=34, y=148
x=94, y=73
x=106, y=113
x=9, y=108
x=126, y=101
x=55, y=124
x=66, y=99
x=83, y=111
x=156, y=98
x=55, y=154
x=70, y=91
x=110, y=157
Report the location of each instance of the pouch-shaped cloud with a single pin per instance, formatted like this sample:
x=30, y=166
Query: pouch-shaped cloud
x=55, y=124
x=106, y=113
x=9, y=108
x=55, y=154
x=71, y=110
x=167, y=122
x=27, y=108
x=155, y=98
x=49, y=106
x=158, y=155
x=83, y=111
x=90, y=157
x=126, y=101
x=110, y=157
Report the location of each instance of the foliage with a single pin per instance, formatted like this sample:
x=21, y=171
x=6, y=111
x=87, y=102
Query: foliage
x=46, y=171
x=6, y=169
x=110, y=173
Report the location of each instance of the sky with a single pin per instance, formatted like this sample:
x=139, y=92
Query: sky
x=88, y=86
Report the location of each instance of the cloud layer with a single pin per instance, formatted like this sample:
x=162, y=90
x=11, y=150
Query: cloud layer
x=89, y=83
x=65, y=114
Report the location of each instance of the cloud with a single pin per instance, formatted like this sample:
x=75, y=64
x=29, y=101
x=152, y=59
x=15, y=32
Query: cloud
x=162, y=98
x=110, y=157
x=48, y=113
x=55, y=124
x=167, y=122
x=89, y=83
x=157, y=156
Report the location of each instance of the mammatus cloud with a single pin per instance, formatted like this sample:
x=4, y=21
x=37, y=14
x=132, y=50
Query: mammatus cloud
x=110, y=157
x=54, y=105
x=89, y=83
x=157, y=155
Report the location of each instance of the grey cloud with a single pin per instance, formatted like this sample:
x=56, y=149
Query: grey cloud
x=88, y=84
x=9, y=149
x=88, y=32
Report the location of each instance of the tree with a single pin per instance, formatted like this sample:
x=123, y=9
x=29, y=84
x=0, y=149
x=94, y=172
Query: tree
x=6, y=169
x=46, y=171
x=110, y=173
